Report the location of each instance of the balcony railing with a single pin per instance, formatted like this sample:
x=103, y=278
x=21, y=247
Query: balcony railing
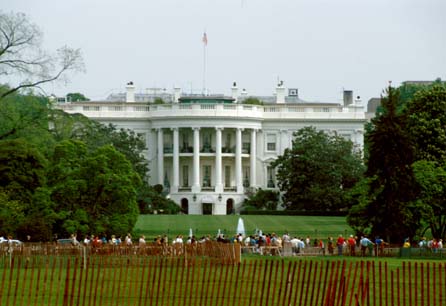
x=135, y=110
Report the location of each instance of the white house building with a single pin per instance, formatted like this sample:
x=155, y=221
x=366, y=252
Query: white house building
x=208, y=151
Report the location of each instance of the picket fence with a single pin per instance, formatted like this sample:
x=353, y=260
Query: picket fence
x=200, y=280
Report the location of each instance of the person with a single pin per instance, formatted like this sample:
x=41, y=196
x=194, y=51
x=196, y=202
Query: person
x=406, y=243
x=142, y=241
x=379, y=245
x=330, y=245
x=340, y=244
x=128, y=239
x=351, y=242
x=434, y=245
x=322, y=246
x=365, y=243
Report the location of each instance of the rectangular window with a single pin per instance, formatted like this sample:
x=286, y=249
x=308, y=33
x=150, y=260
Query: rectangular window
x=207, y=140
x=271, y=177
x=168, y=143
x=185, y=176
x=228, y=176
x=271, y=142
x=185, y=148
x=246, y=178
x=246, y=148
x=227, y=145
x=207, y=176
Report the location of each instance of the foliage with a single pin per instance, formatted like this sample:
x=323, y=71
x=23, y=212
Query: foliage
x=22, y=169
x=432, y=202
x=22, y=56
x=317, y=171
x=427, y=121
x=252, y=101
x=11, y=214
x=390, y=210
x=158, y=100
x=76, y=96
x=26, y=207
x=95, y=135
x=25, y=116
x=98, y=190
x=151, y=199
x=262, y=199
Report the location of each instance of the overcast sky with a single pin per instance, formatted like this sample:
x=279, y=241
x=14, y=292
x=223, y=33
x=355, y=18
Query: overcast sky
x=318, y=46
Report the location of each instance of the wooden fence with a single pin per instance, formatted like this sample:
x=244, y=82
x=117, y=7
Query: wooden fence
x=225, y=253
x=147, y=280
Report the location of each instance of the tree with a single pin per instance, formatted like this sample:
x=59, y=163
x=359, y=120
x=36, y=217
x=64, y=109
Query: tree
x=317, y=171
x=262, y=199
x=432, y=202
x=22, y=56
x=252, y=101
x=76, y=96
x=152, y=198
x=26, y=206
x=391, y=189
x=26, y=116
x=22, y=169
x=95, y=192
x=426, y=113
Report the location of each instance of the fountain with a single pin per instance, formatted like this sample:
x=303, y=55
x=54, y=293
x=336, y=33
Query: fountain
x=241, y=227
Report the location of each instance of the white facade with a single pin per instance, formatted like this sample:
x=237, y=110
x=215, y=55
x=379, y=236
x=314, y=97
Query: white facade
x=208, y=154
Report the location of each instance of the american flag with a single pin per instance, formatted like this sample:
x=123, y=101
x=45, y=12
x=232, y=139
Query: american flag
x=205, y=39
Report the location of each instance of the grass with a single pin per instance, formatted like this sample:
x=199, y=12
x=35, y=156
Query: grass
x=303, y=226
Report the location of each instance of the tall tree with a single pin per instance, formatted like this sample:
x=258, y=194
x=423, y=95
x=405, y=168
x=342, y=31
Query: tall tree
x=317, y=171
x=95, y=191
x=391, y=187
x=22, y=55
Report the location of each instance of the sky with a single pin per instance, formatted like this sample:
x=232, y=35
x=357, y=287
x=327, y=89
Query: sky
x=320, y=47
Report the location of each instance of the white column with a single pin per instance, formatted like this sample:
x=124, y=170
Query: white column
x=252, y=158
x=196, y=179
x=176, y=161
x=218, y=161
x=160, y=157
x=238, y=160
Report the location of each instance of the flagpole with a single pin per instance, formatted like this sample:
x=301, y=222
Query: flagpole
x=205, y=42
x=204, y=69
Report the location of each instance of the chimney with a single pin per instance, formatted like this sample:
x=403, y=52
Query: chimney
x=348, y=97
x=130, y=92
x=280, y=93
x=234, y=92
x=176, y=94
x=358, y=101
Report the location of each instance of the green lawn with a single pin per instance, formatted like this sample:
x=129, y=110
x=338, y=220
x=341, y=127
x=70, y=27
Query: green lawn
x=172, y=225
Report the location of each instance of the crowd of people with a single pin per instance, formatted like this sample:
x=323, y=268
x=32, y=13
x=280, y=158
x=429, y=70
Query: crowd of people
x=351, y=246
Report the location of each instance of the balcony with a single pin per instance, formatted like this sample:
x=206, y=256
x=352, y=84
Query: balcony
x=177, y=110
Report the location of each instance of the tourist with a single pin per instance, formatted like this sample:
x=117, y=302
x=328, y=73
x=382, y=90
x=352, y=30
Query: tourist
x=340, y=244
x=330, y=245
x=351, y=242
x=365, y=243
